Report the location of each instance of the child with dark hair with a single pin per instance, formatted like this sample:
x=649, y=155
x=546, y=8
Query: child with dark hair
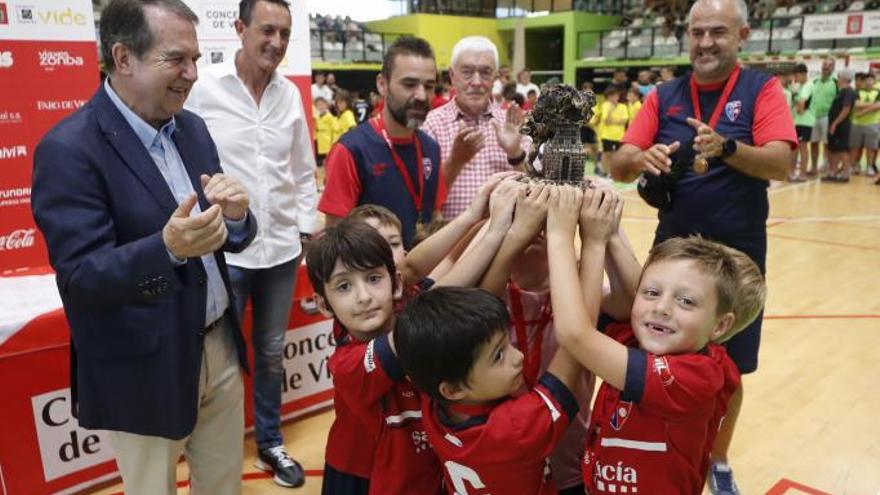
x=376, y=443
x=490, y=432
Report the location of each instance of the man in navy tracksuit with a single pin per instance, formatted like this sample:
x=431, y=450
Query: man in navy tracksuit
x=738, y=119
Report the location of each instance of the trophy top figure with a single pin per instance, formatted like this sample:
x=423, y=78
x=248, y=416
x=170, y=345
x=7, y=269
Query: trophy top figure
x=554, y=126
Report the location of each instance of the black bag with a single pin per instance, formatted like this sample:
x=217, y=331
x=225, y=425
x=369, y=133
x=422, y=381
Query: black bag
x=657, y=190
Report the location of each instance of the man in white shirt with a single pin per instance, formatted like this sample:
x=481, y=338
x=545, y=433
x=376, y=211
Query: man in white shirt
x=320, y=88
x=524, y=83
x=502, y=79
x=256, y=117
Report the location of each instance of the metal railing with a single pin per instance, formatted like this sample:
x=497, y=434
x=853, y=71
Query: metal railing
x=350, y=45
x=509, y=8
x=772, y=36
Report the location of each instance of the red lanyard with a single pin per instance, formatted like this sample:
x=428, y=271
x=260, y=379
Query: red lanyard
x=716, y=113
x=379, y=126
x=531, y=354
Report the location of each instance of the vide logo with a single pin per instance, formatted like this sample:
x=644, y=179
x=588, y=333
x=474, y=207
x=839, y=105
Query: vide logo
x=28, y=14
x=4, y=14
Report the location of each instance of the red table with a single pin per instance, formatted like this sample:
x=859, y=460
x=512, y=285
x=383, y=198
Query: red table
x=44, y=451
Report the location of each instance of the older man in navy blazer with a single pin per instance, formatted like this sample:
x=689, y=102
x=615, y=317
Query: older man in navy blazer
x=136, y=212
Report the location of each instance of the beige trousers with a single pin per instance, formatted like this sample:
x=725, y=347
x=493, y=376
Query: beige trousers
x=214, y=450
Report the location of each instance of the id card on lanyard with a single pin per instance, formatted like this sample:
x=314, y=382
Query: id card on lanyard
x=531, y=352
x=417, y=197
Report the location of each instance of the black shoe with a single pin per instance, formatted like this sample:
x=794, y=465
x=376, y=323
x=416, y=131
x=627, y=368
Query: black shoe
x=287, y=471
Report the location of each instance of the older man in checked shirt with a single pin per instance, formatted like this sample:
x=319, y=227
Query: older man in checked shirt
x=476, y=137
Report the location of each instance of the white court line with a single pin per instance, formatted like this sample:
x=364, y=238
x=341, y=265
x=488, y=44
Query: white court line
x=855, y=218
x=789, y=187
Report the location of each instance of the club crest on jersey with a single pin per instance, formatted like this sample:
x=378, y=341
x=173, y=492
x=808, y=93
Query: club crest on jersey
x=732, y=109
x=661, y=368
x=620, y=415
x=428, y=166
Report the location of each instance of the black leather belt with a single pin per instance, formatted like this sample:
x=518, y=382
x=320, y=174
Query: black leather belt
x=211, y=326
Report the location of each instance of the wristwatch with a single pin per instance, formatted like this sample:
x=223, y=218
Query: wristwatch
x=728, y=148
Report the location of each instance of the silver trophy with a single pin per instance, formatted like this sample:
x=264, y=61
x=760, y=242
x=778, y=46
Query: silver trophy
x=554, y=126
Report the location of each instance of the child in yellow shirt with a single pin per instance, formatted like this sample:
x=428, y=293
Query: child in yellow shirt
x=612, y=119
x=345, y=119
x=323, y=129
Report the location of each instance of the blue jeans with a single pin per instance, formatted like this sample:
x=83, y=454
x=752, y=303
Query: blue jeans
x=271, y=292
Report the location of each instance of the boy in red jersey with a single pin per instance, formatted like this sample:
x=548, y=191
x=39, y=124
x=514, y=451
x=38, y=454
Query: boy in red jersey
x=519, y=274
x=376, y=443
x=492, y=435
x=667, y=382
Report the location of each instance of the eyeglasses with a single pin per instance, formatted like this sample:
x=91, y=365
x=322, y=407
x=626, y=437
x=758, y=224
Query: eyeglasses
x=468, y=73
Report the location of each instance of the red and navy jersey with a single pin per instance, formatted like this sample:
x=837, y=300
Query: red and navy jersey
x=377, y=432
x=723, y=204
x=655, y=436
x=505, y=452
x=360, y=170
x=566, y=459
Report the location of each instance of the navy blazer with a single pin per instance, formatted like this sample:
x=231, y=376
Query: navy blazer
x=135, y=318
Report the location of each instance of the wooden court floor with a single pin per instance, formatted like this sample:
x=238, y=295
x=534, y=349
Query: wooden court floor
x=811, y=419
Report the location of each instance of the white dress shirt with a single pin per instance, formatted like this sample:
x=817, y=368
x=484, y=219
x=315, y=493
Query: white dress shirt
x=324, y=91
x=524, y=89
x=269, y=149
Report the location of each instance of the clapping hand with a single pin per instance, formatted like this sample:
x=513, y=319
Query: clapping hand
x=228, y=193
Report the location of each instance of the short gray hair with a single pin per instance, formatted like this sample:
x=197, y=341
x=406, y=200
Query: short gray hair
x=124, y=21
x=847, y=74
x=479, y=44
x=742, y=10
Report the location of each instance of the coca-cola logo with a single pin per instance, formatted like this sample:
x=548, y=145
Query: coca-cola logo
x=17, y=239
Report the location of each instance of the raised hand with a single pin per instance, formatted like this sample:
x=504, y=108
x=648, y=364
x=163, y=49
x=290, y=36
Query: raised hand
x=467, y=143
x=531, y=211
x=564, y=210
x=479, y=206
x=597, y=220
x=191, y=237
x=503, y=201
x=655, y=160
x=508, y=135
x=708, y=143
x=227, y=192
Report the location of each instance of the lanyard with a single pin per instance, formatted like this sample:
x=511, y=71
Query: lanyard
x=531, y=354
x=716, y=113
x=379, y=126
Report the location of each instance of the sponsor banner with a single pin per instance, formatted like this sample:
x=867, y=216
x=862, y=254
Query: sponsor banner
x=58, y=20
x=842, y=26
x=44, y=81
x=65, y=447
x=306, y=354
x=218, y=40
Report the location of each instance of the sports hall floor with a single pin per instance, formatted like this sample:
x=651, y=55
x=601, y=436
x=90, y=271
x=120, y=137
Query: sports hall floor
x=811, y=419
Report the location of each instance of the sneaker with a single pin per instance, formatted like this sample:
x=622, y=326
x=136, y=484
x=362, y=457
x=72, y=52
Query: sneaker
x=287, y=471
x=720, y=479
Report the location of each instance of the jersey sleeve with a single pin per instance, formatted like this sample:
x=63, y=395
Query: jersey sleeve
x=643, y=129
x=537, y=420
x=342, y=185
x=363, y=373
x=773, y=121
x=673, y=386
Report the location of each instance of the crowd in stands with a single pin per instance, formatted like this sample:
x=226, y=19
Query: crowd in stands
x=337, y=28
